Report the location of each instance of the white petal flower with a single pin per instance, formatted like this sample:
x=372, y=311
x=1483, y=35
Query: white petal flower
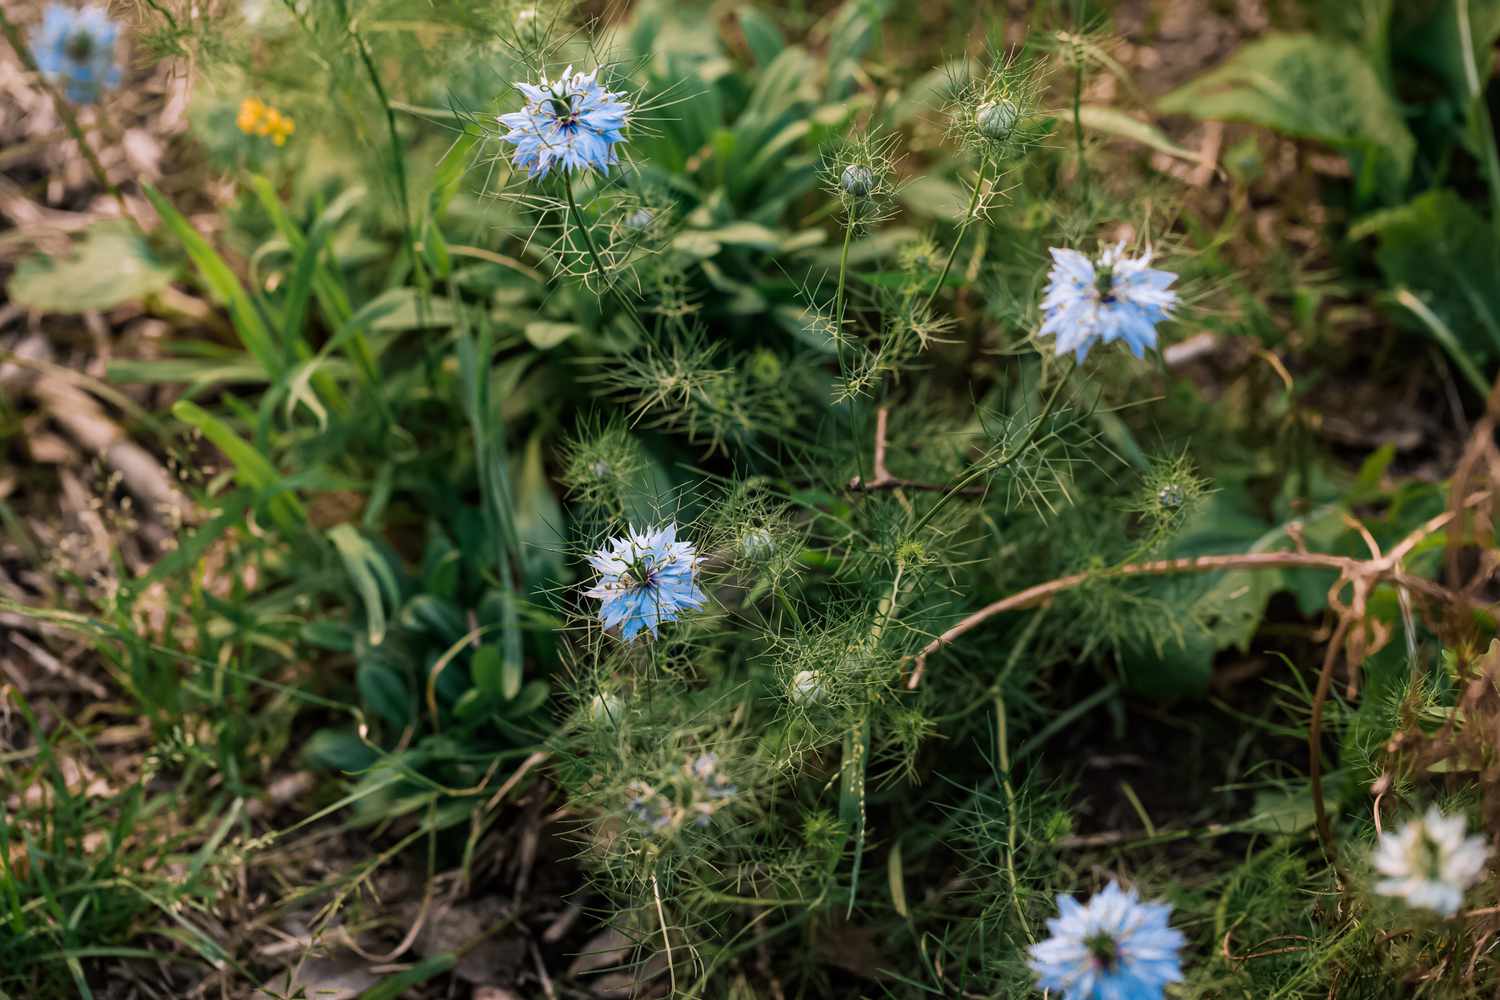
x=1429, y=862
x=1116, y=298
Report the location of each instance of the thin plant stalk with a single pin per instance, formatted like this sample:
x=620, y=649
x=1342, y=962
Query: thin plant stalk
x=1481, y=114
x=598, y=261
x=1002, y=742
x=963, y=227
x=838, y=299
x=984, y=468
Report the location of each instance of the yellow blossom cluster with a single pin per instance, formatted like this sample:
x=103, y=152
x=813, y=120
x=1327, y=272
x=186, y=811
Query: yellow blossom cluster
x=259, y=118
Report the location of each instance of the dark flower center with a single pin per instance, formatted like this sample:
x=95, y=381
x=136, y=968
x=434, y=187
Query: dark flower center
x=1104, y=950
x=641, y=571
x=79, y=46
x=1104, y=283
x=562, y=110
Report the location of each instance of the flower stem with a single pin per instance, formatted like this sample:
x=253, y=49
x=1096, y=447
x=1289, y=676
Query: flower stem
x=838, y=300
x=1083, y=166
x=1002, y=741
x=988, y=468
x=598, y=261
x=1480, y=112
x=398, y=155
x=963, y=227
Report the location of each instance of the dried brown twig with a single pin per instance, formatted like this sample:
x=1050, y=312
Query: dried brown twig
x=1363, y=573
x=882, y=478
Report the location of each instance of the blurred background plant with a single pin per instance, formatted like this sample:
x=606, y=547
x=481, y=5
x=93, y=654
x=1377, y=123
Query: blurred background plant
x=314, y=406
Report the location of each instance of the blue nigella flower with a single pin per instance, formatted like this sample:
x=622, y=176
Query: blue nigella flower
x=571, y=121
x=1114, y=947
x=77, y=48
x=645, y=578
x=1115, y=298
x=649, y=806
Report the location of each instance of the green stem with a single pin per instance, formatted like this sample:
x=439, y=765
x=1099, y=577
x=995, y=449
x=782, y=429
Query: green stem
x=398, y=156
x=1481, y=115
x=1083, y=168
x=958, y=238
x=1002, y=739
x=985, y=468
x=838, y=300
x=588, y=241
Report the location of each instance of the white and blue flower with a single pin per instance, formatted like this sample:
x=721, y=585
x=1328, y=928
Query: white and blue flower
x=645, y=578
x=571, y=122
x=1090, y=302
x=77, y=48
x=1114, y=947
x=1429, y=862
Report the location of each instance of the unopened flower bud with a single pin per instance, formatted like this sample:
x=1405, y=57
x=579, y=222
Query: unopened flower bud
x=997, y=119
x=857, y=180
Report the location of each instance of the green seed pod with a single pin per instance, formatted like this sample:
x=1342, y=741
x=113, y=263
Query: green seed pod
x=857, y=180
x=997, y=119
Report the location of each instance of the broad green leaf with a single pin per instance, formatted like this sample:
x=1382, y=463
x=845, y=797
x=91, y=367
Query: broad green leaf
x=110, y=266
x=1427, y=34
x=855, y=28
x=339, y=749
x=402, y=309
x=367, y=570
x=533, y=695
x=545, y=334
x=936, y=198
x=928, y=94
x=1281, y=811
x=432, y=614
x=761, y=35
x=1113, y=121
x=743, y=234
x=1312, y=88
x=1441, y=249
x=486, y=670
x=538, y=516
x=895, y=873
x=334, y=636
x=783, y=83
x=382, y=689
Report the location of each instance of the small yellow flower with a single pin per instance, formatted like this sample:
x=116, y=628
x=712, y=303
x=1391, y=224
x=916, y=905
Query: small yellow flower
x=279, y=126
x=258, y=118
x=251, y=110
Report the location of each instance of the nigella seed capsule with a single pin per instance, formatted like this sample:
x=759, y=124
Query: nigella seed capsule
x=997, y=119
x=857, y=180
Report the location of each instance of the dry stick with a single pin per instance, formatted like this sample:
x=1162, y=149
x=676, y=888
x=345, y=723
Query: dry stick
x=883, y=480
x=1481, y=445
x=1350, y=567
